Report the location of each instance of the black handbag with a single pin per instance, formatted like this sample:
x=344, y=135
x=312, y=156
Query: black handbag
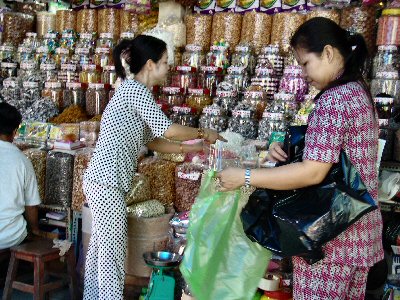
x=299, y=222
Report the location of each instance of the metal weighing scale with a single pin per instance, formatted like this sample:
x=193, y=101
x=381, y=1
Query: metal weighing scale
x=162, y=282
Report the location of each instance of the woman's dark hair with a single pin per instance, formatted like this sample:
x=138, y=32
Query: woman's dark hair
x=137, y=52
x=319, y=32
x=10, y=118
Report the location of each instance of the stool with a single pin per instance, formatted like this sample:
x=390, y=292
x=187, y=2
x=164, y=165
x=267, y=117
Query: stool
x=39, y=253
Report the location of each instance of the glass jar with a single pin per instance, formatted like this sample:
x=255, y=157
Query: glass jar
x=102, y=57
x=41, y=54
x=68, y=40
x=285, y=104
x=172, y=96
x=198, y=99
x=384, y=107
x=48, y=71
x=271, y=54
x=28, y=71
x=109, y=76
x=7, y=53
x=30, y=92
x=8, y=69
x=294, y=83
x=166, y=109
x=238, y=77
x=96, y=99
x=386, y=83
x=51, y=42
x=257, y=100
x=386, y=59
x=265, y=77
x=74, y=95
x=31, y=40
x=213, y=117
x=106, y=40
x=218, y=56
x=210, y=77
x=89, y=74
x=54, y=91
x=193, y=56
x=86, y=41
x=184, y=77
x=24, y=54
x=184, y=115
x=82, y=56
x=68, y=73
x=226, y=97
x=244, y=57
x=62, y=56
x=242, y=122
x=11, y=91
x=271, y=122
x=111, y=92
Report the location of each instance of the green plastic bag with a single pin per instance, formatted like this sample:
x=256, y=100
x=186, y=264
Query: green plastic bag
x=220, y=262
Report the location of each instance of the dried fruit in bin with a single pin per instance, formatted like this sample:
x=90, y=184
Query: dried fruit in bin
x=140, y=190
x=148, y=209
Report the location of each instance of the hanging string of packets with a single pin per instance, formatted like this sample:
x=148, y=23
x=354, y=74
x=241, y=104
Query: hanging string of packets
x=215, y=156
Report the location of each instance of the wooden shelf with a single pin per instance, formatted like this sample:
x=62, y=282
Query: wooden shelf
x=390, y=166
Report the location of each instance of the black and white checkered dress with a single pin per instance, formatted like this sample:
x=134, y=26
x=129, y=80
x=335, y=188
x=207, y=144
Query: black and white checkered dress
x=130, y=121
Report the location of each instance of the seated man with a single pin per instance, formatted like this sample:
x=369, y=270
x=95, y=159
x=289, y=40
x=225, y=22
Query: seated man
x=18, y=186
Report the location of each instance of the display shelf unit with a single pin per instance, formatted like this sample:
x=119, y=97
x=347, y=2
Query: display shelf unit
x=62, y=225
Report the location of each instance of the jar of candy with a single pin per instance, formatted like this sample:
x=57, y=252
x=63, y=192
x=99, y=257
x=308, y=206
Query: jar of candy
x=210, y=77
x=62, y=56
x=386, y=83
x=242, y=122
x=198, y=99
x=53, y=90
x=111, y=92
x=68, y=39
x=294, y=83
x=218, y=56
x=271, y=122
x=96, y=99
x=386, y=59
x=213, y=117
x=89, y=74
x=7, y=53
x=86, y=41
x=102, y=57
x=384, y=107
x=257, y=100
x=30, y=92
x=184, y=115
x=106, y=40
x=24, y=54
x=238, y=77
x=68, y=73
x=126, y=36
x=173, y=96
x=109, y=76
x=227, y=97
x=82, y=56
x=74, y=94
x=42, y=54
x=48, y=71
x=244, y=57
x=286, y=104
x=28, y=71
x=184, y=77
x=8, y=69
x=11, y=91
x=265, y=77
x=31, y=40
x=193, y=56
x=271, y=54
x=51, y=41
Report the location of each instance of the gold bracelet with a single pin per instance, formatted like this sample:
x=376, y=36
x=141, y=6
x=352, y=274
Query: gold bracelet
x=200, y=133
x=180, y=148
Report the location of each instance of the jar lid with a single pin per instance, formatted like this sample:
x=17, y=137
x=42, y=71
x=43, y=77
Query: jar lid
x=272, y=116
x=30, y=84
x=47, y=67
x=96, y=86
x=62, y=50
x=42, y=49
x=186, y=69
x=211, y=111
x=109, y=68
x=106, y=35
x=270, y=49
x=193, y=47
x=73, y=85
x=384, y=100
x=86, y=36
x=172, y=90
x=89, y=67
x=50, y=35
x=67, y=35
x=22, y=49
x=387, y=75
x=293, y=70
x=262, y=71
x=387, y=48
x=31, y=34
x=102, y=50
x=28, y=65
x=68, y=67
x=127, y=35
x=8, y=65
x=391, y=12
x=7, y=83
x=284, y=97
x=82, y=50
x=211, y=69
x=224, y=94
x=52, y=85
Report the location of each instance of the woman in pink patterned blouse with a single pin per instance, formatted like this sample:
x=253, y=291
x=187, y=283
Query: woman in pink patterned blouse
x=343, y=119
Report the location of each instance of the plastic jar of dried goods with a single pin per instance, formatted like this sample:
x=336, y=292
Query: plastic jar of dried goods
x=257, y=100
x=89, y=74
x=265, y=77
x=271, y=53
x=126, y=36
x=53, y=90
x=24, y=54
x=28, y=70
x=106, y=40
x=109, y=76
x=384, y=107
x=68, y=73
x=244, y=57
x=210, y=77
x=82, y=56
x=102, y=57
x=41, y=54
x=48, y=71
x=193, y=56
x=62, y=56
x=172, y=96
x=30, y=92
x=86, y=41
x=8, y=69
x=74, y=94
x=227, y=97
x=213, y=117
x=7, y=53
x=96, y=99
x=184, y=77
x=218, y=56
x=184, y=115
x=242, y=122
x=293, y=82
x=386, y=83
x=271, y=122
x=286, y=104
x=386, y=59
x=198, y=99
x=11, y=90
x=238, y=77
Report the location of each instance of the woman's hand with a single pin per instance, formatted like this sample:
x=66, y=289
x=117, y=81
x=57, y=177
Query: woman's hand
x=276, y=153
x=231, y=179
x=212, y=136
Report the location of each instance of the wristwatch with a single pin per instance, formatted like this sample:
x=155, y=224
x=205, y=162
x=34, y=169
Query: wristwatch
x=247, y=174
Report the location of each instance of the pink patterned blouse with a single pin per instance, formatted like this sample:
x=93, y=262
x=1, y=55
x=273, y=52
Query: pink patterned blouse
x=343, y=118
